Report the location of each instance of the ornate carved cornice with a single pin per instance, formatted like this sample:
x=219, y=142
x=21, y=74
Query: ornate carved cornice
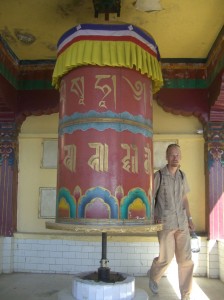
x=8, y=142
x=185, y=102
x=191, y=87
x=217, y=99
x=195, y=87
x=214, y=132
x=8, y=132
x=214, y=137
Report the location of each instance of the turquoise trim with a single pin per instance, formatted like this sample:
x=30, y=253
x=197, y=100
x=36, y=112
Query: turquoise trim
x=130, y=198
x=70, y=124
x=35, y=85
x=8, y=75
x=102, y=194
x=185, y=83
x=65, y=193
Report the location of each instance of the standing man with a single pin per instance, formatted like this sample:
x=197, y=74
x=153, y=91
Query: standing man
x=172, y=210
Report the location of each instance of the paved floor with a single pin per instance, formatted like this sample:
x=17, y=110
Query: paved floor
x=26, y=286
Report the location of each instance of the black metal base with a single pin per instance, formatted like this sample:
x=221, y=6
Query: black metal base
x=104, y=274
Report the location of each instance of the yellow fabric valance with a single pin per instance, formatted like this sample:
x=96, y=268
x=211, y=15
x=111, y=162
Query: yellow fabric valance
x=125, y=53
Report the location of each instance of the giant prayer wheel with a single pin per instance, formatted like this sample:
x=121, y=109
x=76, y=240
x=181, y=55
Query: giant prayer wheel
x=106, y=75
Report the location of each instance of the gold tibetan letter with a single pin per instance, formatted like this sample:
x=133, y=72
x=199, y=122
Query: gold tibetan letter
x=106, y=89
x=78, y=88
x=130, y=161
x=70, y=159
x=99, y=161
x=147, y=162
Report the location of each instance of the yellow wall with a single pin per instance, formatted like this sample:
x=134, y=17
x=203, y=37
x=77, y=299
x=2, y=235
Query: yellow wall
x=166, y=127
x=31, y=176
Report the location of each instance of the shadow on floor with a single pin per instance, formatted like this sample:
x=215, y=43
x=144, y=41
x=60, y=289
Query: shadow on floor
x=27, y=286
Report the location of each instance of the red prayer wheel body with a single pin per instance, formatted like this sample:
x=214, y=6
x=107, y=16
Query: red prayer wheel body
x=105, y=145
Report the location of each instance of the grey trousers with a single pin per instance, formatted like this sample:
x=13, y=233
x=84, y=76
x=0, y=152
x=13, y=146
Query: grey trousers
x=174, y=242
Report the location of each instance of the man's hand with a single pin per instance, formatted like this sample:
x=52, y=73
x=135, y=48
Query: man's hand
x=191, y=224
x=157, y=220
